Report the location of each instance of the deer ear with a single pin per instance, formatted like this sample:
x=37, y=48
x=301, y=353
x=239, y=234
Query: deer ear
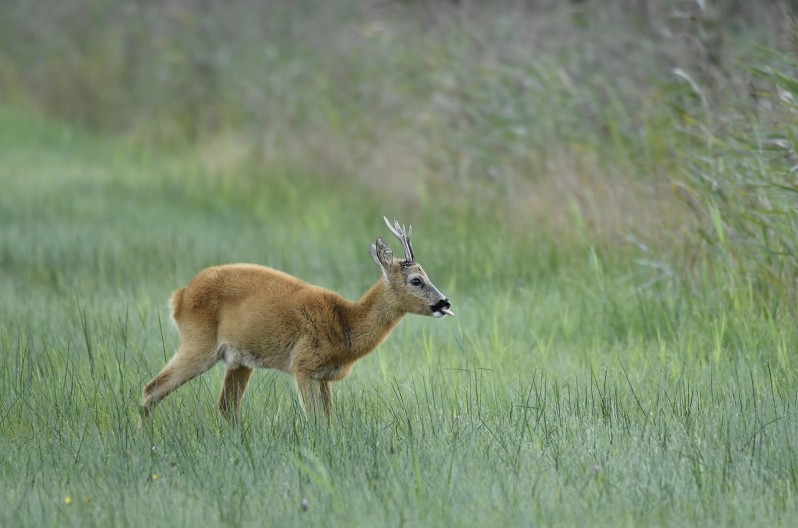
x=382, y=255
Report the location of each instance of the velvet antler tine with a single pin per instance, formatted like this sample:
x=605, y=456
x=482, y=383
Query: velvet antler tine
x=399, y=232
x=391, y=228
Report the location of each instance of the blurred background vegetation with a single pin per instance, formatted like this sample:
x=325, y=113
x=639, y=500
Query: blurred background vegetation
x=662, y=130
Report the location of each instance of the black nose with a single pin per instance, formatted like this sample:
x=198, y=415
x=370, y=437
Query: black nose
x=441, y=305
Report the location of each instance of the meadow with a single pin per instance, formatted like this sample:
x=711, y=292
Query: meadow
x=618, y=244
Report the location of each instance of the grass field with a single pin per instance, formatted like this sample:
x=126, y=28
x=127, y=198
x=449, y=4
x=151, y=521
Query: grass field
x=605, y=191
x=570, y=388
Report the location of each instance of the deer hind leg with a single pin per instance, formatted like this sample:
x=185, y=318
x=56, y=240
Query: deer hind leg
x=235, y=383
x=185, y=365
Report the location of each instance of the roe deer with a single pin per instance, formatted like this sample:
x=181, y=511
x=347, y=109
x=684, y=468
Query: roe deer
x=252, y=316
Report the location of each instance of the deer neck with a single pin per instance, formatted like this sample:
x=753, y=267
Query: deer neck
x=372, y=318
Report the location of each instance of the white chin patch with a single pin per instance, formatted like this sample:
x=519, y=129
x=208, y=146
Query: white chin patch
x=441, y=313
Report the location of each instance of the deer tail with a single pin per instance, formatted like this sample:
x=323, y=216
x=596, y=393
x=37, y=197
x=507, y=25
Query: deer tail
x=176, y=305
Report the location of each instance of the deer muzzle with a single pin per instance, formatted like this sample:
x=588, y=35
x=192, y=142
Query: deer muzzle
x=441, y=308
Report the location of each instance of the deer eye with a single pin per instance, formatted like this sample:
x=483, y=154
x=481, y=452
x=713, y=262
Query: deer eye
x=416, y=281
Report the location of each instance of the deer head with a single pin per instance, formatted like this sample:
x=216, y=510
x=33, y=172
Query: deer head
x=414, y=291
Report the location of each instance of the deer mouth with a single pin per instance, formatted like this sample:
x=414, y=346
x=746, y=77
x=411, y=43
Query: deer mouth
x=441, y=308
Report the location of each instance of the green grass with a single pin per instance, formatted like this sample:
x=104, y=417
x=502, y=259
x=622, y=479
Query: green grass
x=575, y=386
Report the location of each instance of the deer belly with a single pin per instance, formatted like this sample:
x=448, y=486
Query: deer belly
x=232, y=355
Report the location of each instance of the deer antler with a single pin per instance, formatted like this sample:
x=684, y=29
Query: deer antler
x=403, y=236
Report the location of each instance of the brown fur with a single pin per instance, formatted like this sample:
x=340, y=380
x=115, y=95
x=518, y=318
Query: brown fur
x=251, y=316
